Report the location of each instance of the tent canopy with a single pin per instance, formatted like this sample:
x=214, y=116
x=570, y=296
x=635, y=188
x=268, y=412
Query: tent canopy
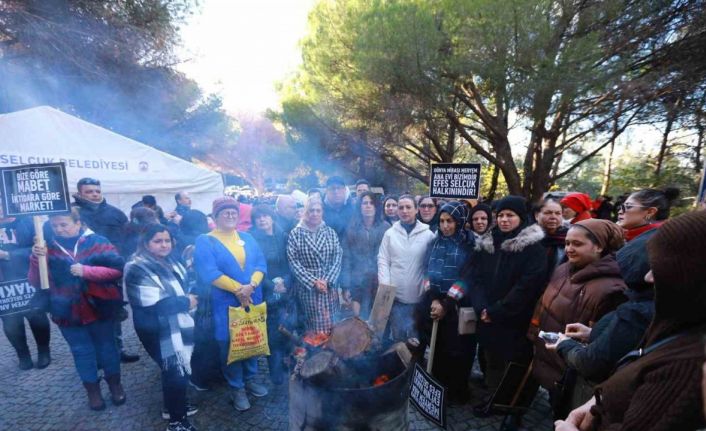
x=127, y=169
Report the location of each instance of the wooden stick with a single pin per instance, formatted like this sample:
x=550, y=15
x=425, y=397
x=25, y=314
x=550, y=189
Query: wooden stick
x=43, y=268
x=382, y=306
x=432, y=346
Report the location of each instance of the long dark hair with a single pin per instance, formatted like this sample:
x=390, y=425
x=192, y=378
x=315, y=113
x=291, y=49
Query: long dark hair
x=660, y=199
x=357, y=214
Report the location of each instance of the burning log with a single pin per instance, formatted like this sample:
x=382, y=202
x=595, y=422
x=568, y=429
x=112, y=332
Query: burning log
x=350, y=338
x=335, y=398
x=345, y=382
x=315, y=339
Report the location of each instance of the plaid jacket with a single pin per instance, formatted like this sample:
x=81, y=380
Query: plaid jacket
x=312, y=256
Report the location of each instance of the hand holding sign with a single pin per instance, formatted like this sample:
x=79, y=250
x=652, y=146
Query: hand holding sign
x=39, y=250
x=36, y=190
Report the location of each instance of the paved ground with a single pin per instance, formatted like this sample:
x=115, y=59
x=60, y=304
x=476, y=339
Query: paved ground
x=54, y=399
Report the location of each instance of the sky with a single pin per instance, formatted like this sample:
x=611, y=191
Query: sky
x=240, y=49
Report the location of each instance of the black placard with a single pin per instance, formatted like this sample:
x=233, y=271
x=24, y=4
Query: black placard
x=15, y=296
x=35, y=189
x=454, y=180
x=427, y=395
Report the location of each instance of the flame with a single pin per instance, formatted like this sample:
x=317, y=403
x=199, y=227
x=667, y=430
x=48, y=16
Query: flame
x=315, y=338
x=381, y=380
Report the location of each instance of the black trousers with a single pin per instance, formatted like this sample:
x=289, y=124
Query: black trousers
x=205, y=359
x=173, y=382
x=14, y=328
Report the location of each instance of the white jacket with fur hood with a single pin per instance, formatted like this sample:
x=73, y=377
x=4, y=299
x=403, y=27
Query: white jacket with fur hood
x=402, y=260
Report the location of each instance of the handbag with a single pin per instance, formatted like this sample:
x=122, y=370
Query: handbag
x=203, y=316
x=467, y=321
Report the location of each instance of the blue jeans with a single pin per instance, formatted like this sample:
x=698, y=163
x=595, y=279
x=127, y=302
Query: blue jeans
x=93, y=344
x=238, y=372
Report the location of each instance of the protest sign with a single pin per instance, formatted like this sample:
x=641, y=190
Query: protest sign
x=35, y=190
x=15, y=296
x=454, y=180
x=427, y=396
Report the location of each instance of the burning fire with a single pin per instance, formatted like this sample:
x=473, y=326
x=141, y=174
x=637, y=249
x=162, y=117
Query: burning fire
x=381, y=380
x=315, y=339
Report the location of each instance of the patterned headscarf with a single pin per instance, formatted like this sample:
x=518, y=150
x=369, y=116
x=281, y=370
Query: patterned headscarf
x=459, y=212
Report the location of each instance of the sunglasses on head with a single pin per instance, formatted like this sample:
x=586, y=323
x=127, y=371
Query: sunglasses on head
x=88, y=182
x=625, y=207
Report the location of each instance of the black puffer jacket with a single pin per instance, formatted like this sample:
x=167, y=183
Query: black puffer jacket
x=612, y=337
x=105, y=220
x=506, y=275
x=17, y=242
x=633, y=263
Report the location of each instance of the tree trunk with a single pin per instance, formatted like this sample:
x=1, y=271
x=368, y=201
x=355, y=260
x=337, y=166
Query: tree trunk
x=608, y=168
x=698, y=163
x=493, y=184
x=663, y=145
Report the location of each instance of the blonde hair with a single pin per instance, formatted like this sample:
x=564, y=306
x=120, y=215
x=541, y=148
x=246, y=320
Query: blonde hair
x=311, y=201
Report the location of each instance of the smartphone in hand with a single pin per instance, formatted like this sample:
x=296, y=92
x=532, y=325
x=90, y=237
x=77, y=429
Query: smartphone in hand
x=549, y=337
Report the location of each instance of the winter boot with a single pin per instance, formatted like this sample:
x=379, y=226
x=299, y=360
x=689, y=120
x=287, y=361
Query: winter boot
x=43, y=357
x=95, y=399
x=240, y=399
x=117, y=394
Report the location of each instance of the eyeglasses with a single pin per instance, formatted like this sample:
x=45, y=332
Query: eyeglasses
x=626, y=207
x=229, y=214
x=427, y=206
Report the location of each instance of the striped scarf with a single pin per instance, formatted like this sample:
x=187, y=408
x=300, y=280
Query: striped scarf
x=147, y=281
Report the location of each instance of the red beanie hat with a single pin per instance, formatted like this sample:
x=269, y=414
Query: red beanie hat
x=578, y=202
x=220, y=204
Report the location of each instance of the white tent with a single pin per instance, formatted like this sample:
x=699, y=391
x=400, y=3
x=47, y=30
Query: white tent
x=126, y=168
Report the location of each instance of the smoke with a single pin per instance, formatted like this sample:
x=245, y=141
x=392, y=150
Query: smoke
x=109, y=63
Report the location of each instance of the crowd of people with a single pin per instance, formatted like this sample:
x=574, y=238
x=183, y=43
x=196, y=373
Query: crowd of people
x=605, y=314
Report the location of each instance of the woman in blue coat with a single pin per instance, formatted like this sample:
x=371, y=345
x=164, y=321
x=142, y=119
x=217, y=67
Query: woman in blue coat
x=233, y=265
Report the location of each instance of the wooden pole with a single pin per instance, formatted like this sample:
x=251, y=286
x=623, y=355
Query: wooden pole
x=432, y=346
x=43, y=268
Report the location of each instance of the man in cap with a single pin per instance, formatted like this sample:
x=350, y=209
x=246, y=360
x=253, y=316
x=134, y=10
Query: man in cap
x=338, y=209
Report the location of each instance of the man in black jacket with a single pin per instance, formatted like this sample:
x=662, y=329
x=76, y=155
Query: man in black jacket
x=338, y=209
x=105, y=220
x=101, y=217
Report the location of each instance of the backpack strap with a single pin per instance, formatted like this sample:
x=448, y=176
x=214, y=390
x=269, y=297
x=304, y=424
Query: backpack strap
x=638, y=353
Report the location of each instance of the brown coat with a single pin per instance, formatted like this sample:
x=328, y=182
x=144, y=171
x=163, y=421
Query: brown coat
x=660, y=391
x=583, y=296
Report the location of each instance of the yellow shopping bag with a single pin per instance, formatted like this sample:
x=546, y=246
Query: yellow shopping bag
x=248, y=332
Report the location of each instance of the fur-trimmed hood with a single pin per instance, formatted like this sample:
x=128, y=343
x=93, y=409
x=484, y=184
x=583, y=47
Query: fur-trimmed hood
x=530, y=235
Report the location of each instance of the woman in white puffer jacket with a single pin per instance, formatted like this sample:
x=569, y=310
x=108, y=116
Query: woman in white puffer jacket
x=402, y=264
